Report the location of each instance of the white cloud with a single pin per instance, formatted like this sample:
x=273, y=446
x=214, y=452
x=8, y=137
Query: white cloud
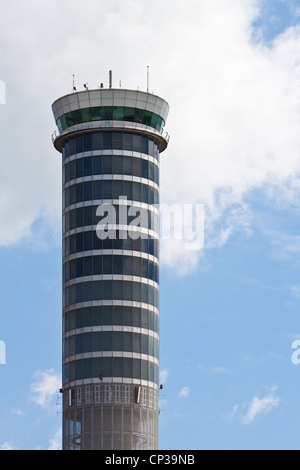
x=184, y=392
x=45, y=387
x=7, y=446
x=234, y=119
x=214, y=370
x=56, y=442
x=284, y=246
x=175, y=256
x=295, y=291
x=163, y=375
x=16, y=411
x=260, y=406
x=231, y=416
x=48, y=284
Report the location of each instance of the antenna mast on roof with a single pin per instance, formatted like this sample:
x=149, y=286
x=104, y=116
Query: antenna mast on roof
x=147, y=78
x=110, y=79
x=74, y=87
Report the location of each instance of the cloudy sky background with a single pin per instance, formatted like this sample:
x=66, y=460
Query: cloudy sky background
x=230, y=70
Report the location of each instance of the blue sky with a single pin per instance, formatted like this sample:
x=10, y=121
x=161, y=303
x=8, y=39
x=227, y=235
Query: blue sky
x=230, y=312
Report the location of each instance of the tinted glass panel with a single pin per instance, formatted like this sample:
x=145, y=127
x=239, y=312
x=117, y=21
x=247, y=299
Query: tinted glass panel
x=97, y=316
x=110, y=367
x=79, y=144
x=111, y=341
x=109, y=140
x=107, y=264
x=88, y=171
x=88, y=142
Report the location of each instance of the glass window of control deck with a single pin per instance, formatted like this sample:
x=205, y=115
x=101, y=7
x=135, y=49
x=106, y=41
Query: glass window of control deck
x=108, y=113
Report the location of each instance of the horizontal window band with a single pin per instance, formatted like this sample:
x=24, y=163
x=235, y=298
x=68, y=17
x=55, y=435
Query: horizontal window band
x=111, y=343
x=112, y=153
x=128, y=178
x=111, y=328
x=112, y=252
x=108, y=367
x=108, y=218
x=119, y=202
x=125, y=318
x=112, y=355
x=88, y=242
x=95, y=203
x=113, y=303
x=111, y=136
x=112, y=277
x=148, y=234
x=142, y=290
x=134, y=137
x=102, y=265
x=122, y=193
x=110, y=166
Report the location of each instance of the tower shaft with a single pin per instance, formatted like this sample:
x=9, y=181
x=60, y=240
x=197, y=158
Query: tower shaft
x=110, y=140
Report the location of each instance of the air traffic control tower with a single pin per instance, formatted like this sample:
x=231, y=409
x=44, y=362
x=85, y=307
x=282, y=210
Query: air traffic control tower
x=110, y=140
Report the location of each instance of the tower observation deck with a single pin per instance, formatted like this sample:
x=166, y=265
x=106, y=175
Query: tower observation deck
x=110, y=140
